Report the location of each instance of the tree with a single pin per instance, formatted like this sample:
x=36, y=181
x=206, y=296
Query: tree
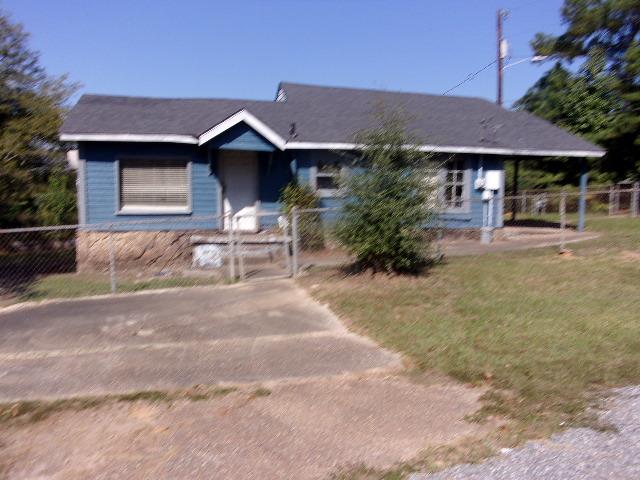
x=56, y=205
x=605, y=36
x=31, y=111
x=388, y=202
x=585, y=104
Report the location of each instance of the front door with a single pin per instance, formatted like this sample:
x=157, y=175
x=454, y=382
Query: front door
x=239, y=178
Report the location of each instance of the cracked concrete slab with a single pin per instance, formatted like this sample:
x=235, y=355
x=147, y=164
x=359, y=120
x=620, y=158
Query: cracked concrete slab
x=304, y=430
x=174, y=339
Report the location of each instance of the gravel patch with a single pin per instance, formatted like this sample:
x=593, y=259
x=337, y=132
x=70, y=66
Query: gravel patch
x=578, y=453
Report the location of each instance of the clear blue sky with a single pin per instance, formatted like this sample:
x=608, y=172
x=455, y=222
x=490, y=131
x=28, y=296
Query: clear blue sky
x=243, y=48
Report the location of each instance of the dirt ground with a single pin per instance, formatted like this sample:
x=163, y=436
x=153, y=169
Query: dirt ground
x=303, y=430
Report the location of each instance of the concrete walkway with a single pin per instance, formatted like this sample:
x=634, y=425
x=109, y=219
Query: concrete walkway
x=169, y=340
x=517, y=238
x=304, y=431
x=511, y=239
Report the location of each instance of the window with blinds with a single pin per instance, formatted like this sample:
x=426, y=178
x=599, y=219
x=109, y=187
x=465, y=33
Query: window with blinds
x=154, y=184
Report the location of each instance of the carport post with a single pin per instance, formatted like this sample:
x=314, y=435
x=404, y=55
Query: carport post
x=294, y=240
x=582, y=206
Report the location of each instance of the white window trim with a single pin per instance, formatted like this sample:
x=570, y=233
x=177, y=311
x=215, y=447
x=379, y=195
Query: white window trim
x=325, y=192
x=466, y=189
x=440, y=174
x=153, y=209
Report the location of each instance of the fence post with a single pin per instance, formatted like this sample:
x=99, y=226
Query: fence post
x=294, y=241
x=286, y=245
x=563, y=220
x=239, y=251
x=112, y=261
x=611, y=201
x=635, y=200
x=232, y=258
x=524, y=202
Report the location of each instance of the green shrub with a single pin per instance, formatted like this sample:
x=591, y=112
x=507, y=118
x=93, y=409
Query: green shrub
x=387, y=203
x=310, y=229
x=57, y=204
x=301, y=196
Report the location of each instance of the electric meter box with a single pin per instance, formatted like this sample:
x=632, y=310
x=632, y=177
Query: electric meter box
x=493, y=180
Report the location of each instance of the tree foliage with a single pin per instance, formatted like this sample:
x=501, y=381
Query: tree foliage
x=310, y=231
x=603, y=99
x=56, y=205
x=585, y=104
x=31, y=110
x=387, y=203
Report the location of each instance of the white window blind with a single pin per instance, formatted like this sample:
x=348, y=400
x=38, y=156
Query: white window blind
x=161, y=184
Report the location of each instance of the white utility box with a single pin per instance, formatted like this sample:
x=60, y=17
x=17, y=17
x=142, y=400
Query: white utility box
x=493, y=180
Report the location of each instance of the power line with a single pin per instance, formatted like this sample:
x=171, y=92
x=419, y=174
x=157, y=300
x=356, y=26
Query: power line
x=470, y=77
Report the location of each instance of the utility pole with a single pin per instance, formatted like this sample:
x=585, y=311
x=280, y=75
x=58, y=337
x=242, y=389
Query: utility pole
x=501, y=52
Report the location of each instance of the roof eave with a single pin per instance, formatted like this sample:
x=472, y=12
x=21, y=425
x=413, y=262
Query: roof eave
x=128, y=137
x=457, y=149
x=279, y=142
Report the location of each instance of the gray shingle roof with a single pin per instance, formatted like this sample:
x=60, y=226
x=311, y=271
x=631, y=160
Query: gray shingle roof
x=330, y=115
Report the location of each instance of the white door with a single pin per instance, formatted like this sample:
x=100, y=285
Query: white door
x=239, y=178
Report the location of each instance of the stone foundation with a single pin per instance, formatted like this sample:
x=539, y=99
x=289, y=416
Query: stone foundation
x=150, y=252
x=461, y=234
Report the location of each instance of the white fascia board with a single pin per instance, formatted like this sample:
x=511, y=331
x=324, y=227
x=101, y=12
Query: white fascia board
x=452, y=149
x=126, y=137
x=246, y=117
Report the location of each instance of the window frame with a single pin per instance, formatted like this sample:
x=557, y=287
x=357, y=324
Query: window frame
x=327, y=192
x=441, y=172
x=466, y=184
x=153, y=209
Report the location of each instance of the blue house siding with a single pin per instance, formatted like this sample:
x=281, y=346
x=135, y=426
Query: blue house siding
x=307, y=161
x=473, y=218
x=276, y=169
x=101, y=186
x=241, y=137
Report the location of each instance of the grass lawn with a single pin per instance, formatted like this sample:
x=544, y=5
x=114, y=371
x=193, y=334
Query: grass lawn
x=543, y=331
x=79, y=285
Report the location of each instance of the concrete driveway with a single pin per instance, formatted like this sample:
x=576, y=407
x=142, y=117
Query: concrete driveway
x=257, y=332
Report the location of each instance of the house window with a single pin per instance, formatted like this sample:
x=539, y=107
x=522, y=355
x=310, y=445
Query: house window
x=154, y=185
x=327, y=179
x=449, y=181
x=455, y=181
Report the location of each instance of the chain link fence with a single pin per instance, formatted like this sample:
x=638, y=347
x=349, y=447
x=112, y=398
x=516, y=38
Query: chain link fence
x=546, y=206
x=128, y=256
